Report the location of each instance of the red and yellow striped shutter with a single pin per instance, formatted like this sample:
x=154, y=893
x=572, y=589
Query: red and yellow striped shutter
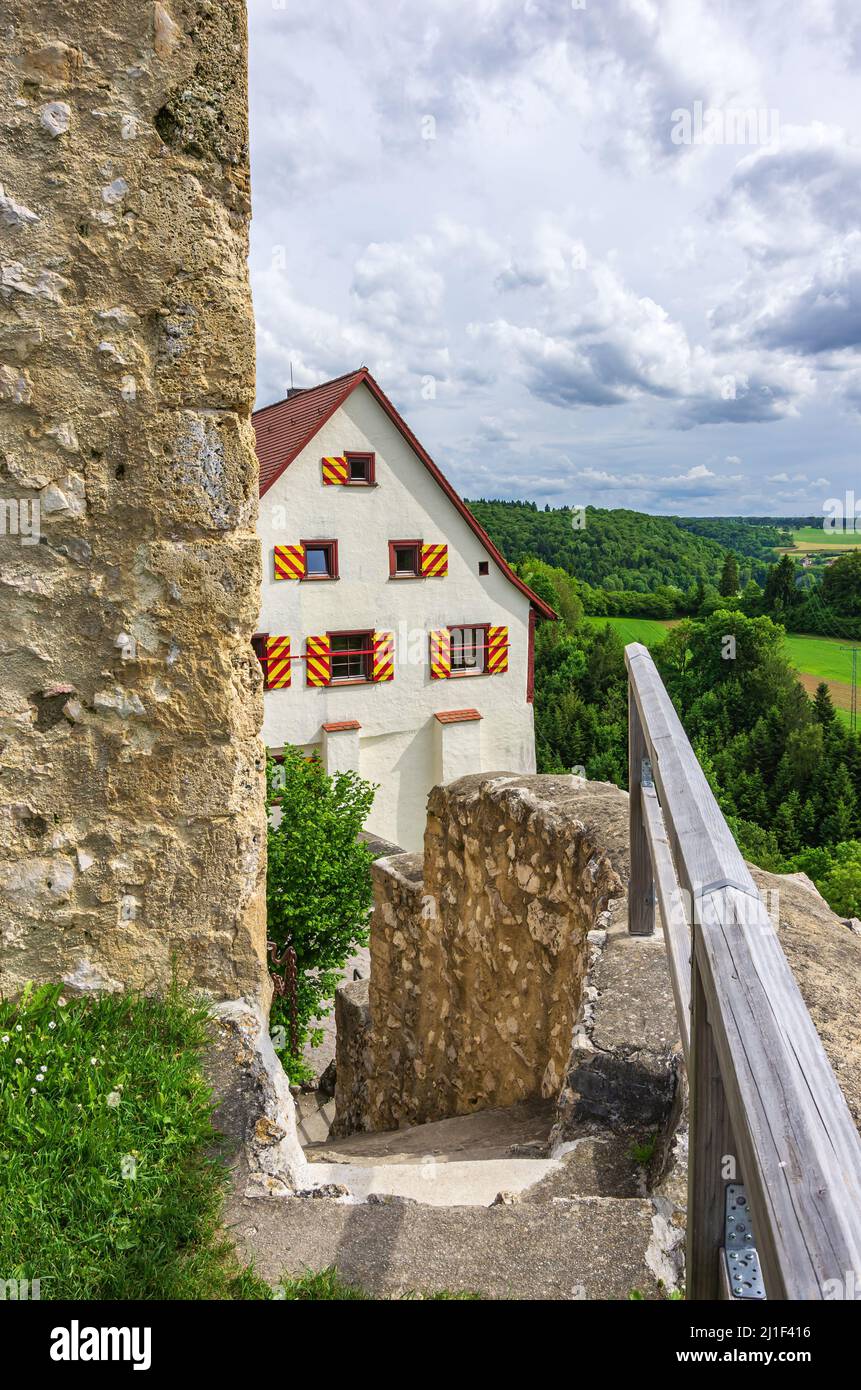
x=497, y=651
x=434, y=561
x=440, y=653
x=278, y=665
x=289, y=562
x=334, y=470
x=384, y=656
x=318, y=661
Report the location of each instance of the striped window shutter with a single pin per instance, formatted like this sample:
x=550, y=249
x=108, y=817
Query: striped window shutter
x=334, y=470
x=278, y=666
x=440, y=653
x=289, y=562
x=434, y=561
x=318, y=661
x=497, y=651
x=384, y=656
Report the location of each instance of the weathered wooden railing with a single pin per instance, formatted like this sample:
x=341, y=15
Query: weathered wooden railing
x=770, y=1131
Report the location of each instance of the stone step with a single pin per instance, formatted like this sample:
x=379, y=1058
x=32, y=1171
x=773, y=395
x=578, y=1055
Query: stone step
x=580, y=1248
x=514, y=1131
x=433, y=1182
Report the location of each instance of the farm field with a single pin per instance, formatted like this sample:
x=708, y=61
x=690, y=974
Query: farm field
x=646, y=630
x=815, y=538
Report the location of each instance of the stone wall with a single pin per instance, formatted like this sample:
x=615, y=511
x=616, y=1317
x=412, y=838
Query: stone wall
x=479, y=950
x=131, y=810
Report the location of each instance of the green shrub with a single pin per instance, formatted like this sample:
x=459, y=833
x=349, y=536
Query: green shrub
x=318, y=890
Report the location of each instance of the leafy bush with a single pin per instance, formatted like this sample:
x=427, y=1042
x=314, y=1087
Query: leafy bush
x=318, y=890
x=836, y=871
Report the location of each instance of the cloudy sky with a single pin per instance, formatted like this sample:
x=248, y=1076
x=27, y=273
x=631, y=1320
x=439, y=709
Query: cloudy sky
x=602, y=252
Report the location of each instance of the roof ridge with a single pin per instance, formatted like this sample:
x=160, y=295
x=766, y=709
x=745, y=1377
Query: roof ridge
x=304, y=390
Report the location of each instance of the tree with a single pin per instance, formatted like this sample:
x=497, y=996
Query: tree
x=780, y=592
x=318, y=891
x=841, y=584
x=728, y=587
x=823, y=706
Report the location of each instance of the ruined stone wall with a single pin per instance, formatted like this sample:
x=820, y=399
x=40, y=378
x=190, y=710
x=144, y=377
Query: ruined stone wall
x=479, y=951
x=131, y=810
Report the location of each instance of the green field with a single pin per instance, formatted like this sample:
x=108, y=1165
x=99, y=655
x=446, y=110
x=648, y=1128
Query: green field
x=815, y=538
x=647, y=630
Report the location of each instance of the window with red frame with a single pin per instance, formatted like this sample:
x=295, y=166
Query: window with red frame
x=405, y=559
x=321, y=559
x=360, y=468
x=351, y=655
x=468, y=650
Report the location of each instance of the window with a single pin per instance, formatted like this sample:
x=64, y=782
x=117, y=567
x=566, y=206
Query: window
x=360, y=468
x=484, y=567
x=468, y=648
x=258, y=642
x=351, y=655
x=405, y=559
x=321, y=559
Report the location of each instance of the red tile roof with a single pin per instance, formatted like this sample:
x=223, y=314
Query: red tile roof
x=283, y=429
x=457, y=716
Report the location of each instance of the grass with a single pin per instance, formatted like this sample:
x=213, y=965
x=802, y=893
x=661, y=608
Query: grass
x=111, y=1177
x=109, y=1185
x=644, y=1152
x=816, y=538
x=646, y=630
x=328, y=1286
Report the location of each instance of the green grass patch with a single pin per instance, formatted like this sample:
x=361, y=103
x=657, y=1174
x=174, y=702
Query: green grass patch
x=646, y=630
x=817, y=536
x=110, y=1184
x=825, y=657
x=328, y=1286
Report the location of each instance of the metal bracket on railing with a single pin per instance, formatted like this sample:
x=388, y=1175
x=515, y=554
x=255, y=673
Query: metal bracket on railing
x=744, y=1275
x=646, y=778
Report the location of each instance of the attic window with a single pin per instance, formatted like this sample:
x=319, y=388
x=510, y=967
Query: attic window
x=360, y=469
x=484, y=567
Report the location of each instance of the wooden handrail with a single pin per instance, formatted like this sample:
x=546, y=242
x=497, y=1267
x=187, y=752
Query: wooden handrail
x=767, y=1111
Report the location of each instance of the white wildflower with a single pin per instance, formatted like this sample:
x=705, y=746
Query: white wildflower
x=52, y=1024
x=113, y=1099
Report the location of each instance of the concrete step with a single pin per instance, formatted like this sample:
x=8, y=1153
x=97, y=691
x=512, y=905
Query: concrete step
x=433, y=1182
x=514, y=1131
x=581, y=1248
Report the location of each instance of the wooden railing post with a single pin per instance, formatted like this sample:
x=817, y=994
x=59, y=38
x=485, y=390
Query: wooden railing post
x=641, y=885
x=711, y=1147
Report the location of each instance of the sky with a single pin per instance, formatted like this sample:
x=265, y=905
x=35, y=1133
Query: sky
x=599, y=252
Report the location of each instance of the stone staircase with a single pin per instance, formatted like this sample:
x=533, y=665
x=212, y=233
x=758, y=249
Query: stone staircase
x=581, y=1199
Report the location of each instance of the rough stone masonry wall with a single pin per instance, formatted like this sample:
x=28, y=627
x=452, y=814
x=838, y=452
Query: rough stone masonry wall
x=131, y=820
x=477, y=968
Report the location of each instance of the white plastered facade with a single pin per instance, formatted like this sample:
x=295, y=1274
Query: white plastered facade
x=400, y=745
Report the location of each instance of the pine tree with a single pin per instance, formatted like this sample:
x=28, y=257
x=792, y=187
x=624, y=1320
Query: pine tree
x=728, y=587
x=823, y=707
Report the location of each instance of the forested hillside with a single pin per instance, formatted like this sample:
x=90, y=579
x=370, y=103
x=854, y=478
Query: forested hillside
x=615, y=549
x=757, y=540
x=786, y=772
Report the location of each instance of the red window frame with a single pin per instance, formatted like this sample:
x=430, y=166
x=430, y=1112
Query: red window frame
x=365, y=649
x=258, y=642
x=332, y=547
x=394, y=547
x=468, y=670
x=371, y=462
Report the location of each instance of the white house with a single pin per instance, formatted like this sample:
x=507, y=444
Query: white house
x=394, y=638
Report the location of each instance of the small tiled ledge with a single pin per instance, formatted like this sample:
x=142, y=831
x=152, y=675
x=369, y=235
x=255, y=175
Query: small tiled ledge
x=340, y=746
x=457, y=742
